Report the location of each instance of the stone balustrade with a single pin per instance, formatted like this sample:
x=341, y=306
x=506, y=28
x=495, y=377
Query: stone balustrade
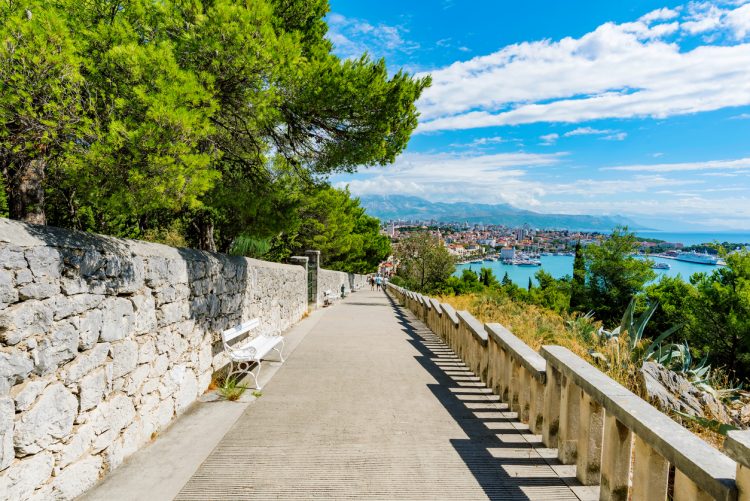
x=616, y=439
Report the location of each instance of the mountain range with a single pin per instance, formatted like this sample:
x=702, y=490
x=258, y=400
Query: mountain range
x=405, y=207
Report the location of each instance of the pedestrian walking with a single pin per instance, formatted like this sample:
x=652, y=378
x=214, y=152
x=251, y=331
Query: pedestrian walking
x=378, y=281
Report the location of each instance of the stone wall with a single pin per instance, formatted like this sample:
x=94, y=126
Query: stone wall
x=333, y=280
x=104, y=341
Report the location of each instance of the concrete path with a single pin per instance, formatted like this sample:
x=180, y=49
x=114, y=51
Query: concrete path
x=372, y=405
x=158, y=471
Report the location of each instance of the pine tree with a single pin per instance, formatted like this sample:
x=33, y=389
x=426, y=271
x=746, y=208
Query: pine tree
x=578, y=287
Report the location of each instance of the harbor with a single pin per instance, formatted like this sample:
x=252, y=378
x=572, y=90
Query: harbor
x=561, y=264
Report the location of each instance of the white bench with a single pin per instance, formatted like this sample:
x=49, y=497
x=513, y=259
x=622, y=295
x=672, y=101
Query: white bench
x=329, y=297
x=252, y=350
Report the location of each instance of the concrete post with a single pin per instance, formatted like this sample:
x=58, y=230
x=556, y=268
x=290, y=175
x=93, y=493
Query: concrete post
x=313, y=271
x=687, y=490
x=650, y=472
x=589, y=450
x=514, y=396
x=551, y=425
x=617, y=450
x=536, y=406
x=569, y=415
x=737, y=446
x=524, y=388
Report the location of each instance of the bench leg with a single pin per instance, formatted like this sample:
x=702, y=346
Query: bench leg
x=280, y=350
x=255, y=375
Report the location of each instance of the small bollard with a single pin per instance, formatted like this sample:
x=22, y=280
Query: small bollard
x=343, y=290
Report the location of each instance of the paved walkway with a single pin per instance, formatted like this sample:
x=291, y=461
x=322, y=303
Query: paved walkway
x=372, y=405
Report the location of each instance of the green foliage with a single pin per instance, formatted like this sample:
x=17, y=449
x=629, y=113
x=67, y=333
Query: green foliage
x=721, y=306
x=613, y=275
x=578, y=285
x=487, y=278
x=231, y=389
x=250, y=246
x=220, y=119
x=424, y=262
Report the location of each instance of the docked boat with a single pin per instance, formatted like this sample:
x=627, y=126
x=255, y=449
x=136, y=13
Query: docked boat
x=697, y=258
x=528, y=262
x=476, y=261
x=661, y=266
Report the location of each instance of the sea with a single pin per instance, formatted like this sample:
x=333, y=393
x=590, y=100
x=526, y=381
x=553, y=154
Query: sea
x=559, y=266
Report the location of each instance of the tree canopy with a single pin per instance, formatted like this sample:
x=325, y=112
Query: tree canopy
x=212, y=120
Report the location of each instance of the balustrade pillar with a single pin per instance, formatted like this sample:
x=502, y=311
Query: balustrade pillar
x=569, y=416
x=551, y=425
x=650, y=472
x=536, y=405
x=617, y=450
x=589, y=447
x=687, y=490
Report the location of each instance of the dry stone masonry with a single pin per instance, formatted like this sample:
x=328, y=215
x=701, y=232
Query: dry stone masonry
x=104, y=341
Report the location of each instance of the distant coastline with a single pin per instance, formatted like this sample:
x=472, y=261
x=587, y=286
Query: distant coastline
x=698, y=237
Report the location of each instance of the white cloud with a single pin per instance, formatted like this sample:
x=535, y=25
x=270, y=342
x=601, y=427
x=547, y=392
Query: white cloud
x=353, y=37
x=618, y=136
x=549, y=139
x=490, y=178
x=586, y=131
x=740, y=163
x=617, y=71
x=663, y=14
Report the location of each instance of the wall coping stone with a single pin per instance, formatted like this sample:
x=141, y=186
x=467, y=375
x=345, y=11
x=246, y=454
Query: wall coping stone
x=530, y=359
x=737, y=446
x=437, y=306
x=451, y=312
x=474, y=325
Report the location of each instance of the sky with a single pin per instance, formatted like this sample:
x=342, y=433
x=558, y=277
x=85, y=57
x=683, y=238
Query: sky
x=637, y=108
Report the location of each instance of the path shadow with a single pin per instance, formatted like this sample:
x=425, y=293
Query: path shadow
x=499, y=450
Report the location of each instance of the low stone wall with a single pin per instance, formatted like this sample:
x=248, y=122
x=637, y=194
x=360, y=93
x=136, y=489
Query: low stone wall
x=330, y=280
x=104, y=341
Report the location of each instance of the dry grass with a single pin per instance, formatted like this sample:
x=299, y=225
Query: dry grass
x=537, y=326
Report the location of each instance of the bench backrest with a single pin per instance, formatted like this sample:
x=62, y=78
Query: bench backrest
x=238, y=330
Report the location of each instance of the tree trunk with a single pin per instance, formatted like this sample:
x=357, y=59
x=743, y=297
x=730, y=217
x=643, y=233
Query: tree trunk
x=26, y=193
x=204, y=227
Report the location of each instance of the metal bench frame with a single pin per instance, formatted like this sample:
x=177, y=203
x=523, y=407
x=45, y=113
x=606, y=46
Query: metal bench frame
x=251, y=351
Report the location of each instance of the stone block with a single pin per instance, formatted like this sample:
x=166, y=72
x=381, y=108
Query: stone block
x=85, y=363
x=15, y=364
x=187, y=391
x=27, y=392
x=7, y=414
x=124, y=357
x=11, y=257
x=48, y=421
x=38, y=290
x=76, y=447
x=8, y=292
x=135, y=379
x=44, y=262
x=156, y=271
x=146, y=350
x=65, y=306
x=92, y=389
x=145, y=313
x=23, y=320
x=171, y=313
x=24, y=476
x=56, y=348
x=118, y=319
x=90, y=328
x=77, y=478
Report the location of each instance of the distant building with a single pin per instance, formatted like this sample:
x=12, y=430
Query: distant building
x=507, y=253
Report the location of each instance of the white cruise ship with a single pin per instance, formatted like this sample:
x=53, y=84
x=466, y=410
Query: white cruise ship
x=697, y=257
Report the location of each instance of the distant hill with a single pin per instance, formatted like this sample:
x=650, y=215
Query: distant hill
x=404, y=207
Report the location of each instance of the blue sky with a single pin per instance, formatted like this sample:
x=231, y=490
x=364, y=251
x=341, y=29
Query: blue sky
x=638, y=108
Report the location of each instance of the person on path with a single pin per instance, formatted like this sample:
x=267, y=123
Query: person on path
x=371, y=279
x=378, y=281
